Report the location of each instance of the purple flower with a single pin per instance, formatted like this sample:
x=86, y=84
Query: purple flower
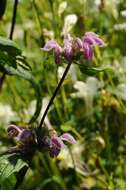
x=53, y=45
x=89, y=40
x=56, y=143
x=79, y=43
x=68, y=47
x=20, y=134
x=93, y=39
x=73, y=46
x=68, y=138
x=88, y=51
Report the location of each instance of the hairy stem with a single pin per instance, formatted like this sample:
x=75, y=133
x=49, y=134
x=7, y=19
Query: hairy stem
x=54, y=94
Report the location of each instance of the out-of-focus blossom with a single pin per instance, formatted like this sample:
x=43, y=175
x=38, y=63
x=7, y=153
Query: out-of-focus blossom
x=68, y=47
x=7, y=114
x=69, y=22
x=87, y=90
x=56, y=143
x=53, y=45
x=123, y=13
x=121, y=91
x=121, y=26
x=62, y=7
x=75, y=161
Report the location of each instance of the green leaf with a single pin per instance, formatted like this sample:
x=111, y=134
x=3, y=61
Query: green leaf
x=66, y=127
x=9, y=46
x=10, y=164
x=5, y=58
x=11, y=55
x=92, y=70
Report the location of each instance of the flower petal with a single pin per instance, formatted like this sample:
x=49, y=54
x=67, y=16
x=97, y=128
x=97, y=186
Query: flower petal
x=50, y=45
x=54, y=151
x=57, y=142
x=79, y=43
x=68, y=138
x=68, y=47
x=55, y=146
x=53, y=45
x=88, y=52
x=93, y=39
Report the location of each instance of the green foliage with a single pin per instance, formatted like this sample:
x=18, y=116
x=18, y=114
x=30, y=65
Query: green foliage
x=9, y=165
x=2, y=7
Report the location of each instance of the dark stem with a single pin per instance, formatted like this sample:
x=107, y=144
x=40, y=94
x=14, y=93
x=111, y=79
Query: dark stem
x=13, y=19
x=2, y=79
x=54, y=94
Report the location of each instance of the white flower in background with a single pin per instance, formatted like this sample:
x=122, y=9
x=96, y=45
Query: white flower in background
x=97, y=2
x=123, y=13
x=121, y=91
x=112, y=2
x=87, y=90
x=71, y=72
x=31, y=109
x=119, y=67
x=28, y=25
x=18, y=32
x=62, y=7
x=121, y=26
x=66, y=161
x=69, y=22
x=7, y=115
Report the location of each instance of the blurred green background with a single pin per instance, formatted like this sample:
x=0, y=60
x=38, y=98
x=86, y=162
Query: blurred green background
x=90, y=105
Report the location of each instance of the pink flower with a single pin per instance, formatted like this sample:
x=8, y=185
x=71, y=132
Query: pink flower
x=53, y=45
x=57, y=143
x=93, y=39
x=73, y=46
x=89, y=40
x=88, y=51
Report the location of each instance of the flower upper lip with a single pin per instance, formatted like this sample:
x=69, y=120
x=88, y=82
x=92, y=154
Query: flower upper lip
x=57, y=143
